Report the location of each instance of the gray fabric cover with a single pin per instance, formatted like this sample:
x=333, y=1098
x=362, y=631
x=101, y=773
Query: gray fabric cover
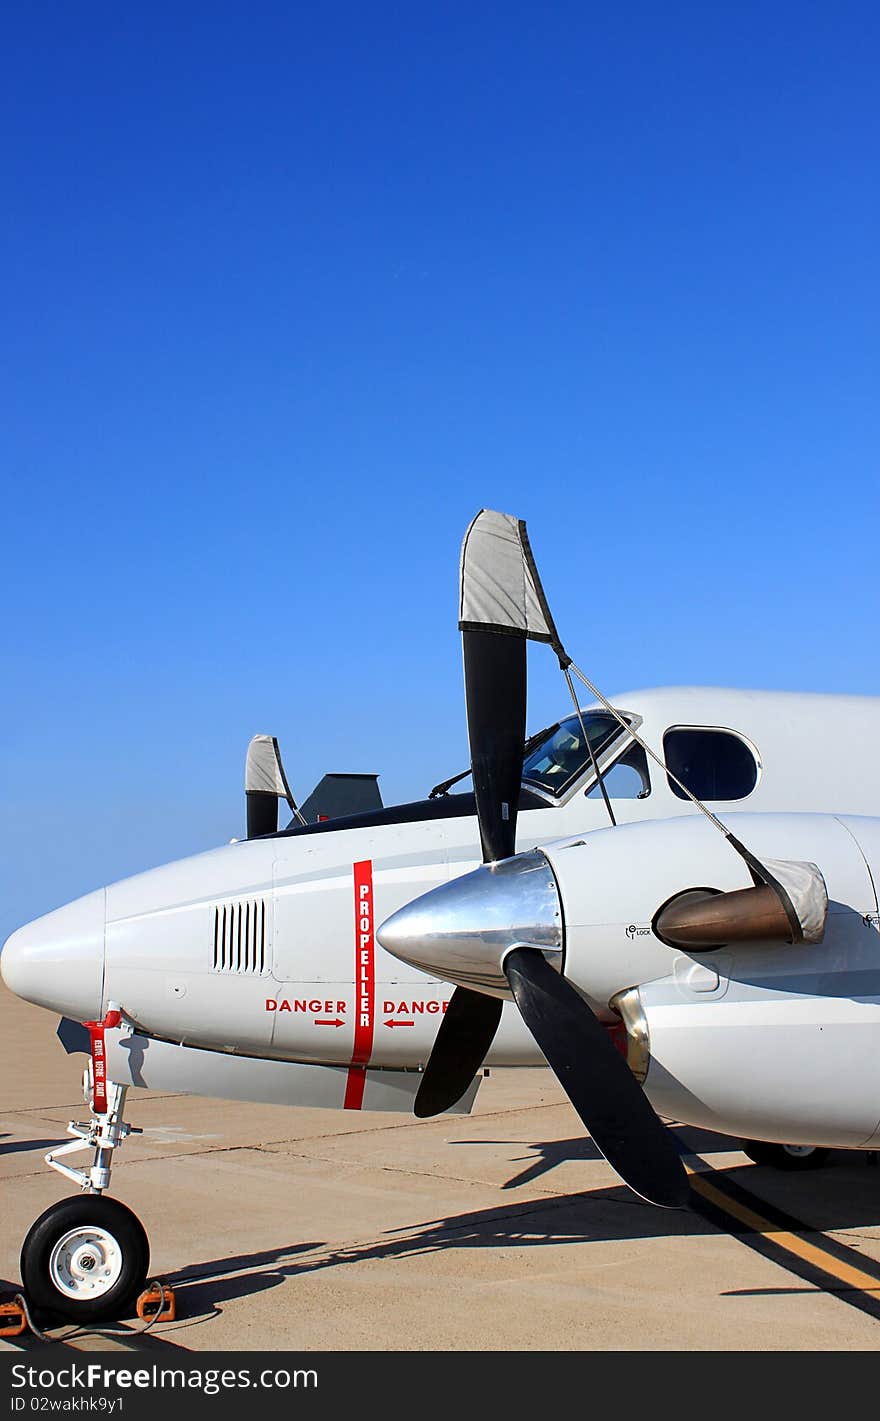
x=263, y=771
x=805, y=886
x=497, y=585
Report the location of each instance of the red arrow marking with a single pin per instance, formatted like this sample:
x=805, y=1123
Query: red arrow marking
x=400, y=1023
x=330, y=1023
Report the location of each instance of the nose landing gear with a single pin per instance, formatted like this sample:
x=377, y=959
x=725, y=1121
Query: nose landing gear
x=85, y=1259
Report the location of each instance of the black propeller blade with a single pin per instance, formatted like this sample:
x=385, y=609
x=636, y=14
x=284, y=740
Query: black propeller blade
x=495, y=696
x=466, y=1033
x=597, y=1080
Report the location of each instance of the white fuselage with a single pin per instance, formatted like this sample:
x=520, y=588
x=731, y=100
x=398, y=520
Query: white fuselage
x=266, y=949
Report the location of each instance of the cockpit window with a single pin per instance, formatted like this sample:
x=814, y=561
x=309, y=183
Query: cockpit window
x=564, y=754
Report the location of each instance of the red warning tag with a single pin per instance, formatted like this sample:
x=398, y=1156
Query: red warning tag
x=99, y=1068
x=99, y=1059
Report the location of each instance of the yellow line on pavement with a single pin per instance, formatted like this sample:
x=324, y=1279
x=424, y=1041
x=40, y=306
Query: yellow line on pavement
x=793, y=1243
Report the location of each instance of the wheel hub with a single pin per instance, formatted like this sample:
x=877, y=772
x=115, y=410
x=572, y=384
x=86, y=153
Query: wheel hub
x=85, y=1263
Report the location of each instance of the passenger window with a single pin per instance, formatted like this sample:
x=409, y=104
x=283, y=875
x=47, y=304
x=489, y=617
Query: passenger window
x=627, y=778
x=714, y=764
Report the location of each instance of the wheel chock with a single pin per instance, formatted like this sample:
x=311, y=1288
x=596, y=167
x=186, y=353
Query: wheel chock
x=157, y=1304
x=13, y=1321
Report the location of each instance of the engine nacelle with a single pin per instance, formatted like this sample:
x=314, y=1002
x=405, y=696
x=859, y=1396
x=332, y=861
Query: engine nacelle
x=756, y=1062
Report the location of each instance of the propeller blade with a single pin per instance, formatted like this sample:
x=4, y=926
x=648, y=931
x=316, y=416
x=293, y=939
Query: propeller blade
x=466, y=1033
x=597, y=1080
x=495, y=695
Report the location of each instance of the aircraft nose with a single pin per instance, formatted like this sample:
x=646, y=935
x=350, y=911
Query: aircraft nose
x=463, y=930
x=57, y=961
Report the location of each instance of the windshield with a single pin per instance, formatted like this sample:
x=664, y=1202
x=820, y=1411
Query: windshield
x=564, y=754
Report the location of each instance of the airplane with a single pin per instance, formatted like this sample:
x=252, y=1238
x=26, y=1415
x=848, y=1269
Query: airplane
x=662, y=961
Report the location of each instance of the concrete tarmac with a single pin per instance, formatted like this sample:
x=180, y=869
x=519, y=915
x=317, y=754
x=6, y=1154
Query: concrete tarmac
x=284, y=1228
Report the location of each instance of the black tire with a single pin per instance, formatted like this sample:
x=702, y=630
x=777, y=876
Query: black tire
x=790, y=1157
x=86, y=1291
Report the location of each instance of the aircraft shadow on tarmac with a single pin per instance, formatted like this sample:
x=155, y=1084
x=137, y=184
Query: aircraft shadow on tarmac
x=841, y=1195
x=595, y=1216
x=543, y=1157
x=16, y=1146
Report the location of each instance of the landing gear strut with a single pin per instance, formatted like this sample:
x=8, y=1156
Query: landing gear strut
x=86, y=1259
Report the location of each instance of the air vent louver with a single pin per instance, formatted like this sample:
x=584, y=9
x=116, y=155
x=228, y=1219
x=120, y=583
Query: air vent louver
x=240, y=937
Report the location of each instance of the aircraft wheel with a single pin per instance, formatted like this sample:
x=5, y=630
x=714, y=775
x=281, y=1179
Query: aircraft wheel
x=795, y=1157
x=85, y=1260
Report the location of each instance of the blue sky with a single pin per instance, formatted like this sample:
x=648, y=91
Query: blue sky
x=289, y=292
